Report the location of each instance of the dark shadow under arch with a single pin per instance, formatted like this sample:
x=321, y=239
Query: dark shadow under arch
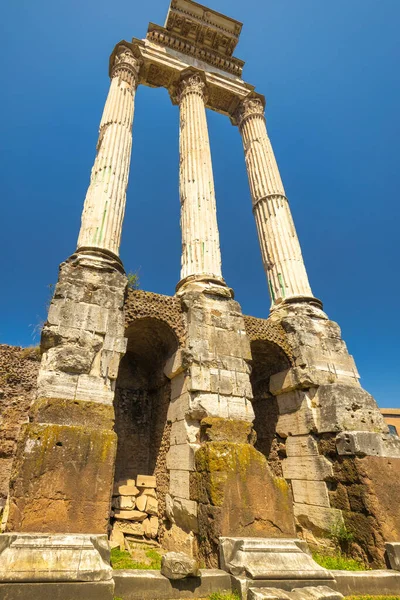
x=267, y=359
x=142, y=398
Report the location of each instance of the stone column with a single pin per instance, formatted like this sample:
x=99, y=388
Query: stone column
x=201, y=256
x=280, y=248
x=104, y=207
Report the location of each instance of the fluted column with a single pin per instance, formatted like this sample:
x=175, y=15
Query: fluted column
x=104, y=206
x=201, y=255
x=280, y=248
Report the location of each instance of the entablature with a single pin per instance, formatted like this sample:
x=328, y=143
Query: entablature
x=163, y=67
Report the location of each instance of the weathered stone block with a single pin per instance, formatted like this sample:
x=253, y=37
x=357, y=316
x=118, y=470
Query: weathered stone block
x=296, y=415
x=43, y=557
x=215, y=429
x=179, y=483
x=184, y=431
x=152, y=506
x=141, y=502
x=317, y=518
x=183, y=513
x=311, y=468
x=393, y=554
x=321, y=592
x=126, y=490
x=130, y=515
x=146, y=481
x=267, y=558
x=367, y=443
x=179, y=407
x=52, y=463
x=301, y=445
x=181, y=457
x=267, y=594
x=347, y=408
x=310, y=492
x=177, y=565
x=60, y=411
x=174, y=365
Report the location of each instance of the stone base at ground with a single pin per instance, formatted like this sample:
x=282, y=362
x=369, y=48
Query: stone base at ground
x=305, y=593
x=148, y=585
x=99, y=590
x=48, y=558
x=263, y=558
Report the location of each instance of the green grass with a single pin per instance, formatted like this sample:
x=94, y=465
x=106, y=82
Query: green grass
x=372, y=597
x=123, y=560
x=338, y=562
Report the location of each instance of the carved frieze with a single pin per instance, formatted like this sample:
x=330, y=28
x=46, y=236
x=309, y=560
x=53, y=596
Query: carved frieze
x=202, y=47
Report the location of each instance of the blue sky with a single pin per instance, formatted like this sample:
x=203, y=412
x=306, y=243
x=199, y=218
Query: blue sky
x=330, y=73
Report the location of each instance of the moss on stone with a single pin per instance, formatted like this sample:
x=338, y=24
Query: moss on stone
x=61, y=411
x=216, y=429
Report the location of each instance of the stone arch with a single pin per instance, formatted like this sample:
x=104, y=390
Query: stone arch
x=141, y=402
x=270, y=354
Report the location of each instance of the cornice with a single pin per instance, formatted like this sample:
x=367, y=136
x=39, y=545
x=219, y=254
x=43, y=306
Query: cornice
x=161, y=35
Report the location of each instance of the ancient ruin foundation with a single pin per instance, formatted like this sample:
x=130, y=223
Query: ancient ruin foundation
x=178, y=419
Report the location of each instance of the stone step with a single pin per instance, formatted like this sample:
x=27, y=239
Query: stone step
x=321, y=592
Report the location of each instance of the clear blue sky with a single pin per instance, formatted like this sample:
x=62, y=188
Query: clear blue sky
x=330, y=72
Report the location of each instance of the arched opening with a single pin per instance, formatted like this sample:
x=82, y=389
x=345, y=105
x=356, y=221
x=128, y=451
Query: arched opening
x=141, y=403
x=267, y=359
x=142, y=397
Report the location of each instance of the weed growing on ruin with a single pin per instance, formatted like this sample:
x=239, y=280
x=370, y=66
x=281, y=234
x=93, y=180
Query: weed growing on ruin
x=120, y=559
x=133, y=281
x=341, y=535
x=339, y=562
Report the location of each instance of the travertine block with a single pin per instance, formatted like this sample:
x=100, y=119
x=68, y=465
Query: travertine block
x=184, y=431
x=179, y=483
x=178, y=407
x=152, y=506
x=130, y=527
x=301, y=445
x=174, y=365
x=130, y=515
x=94, y=389
x=181, y=457
x=124, y=502
x=310, y=492
x=149, y=492
x=146, y=481
x=311, y=468
x=126, y=490
x=318, y=516
x=347, y=408
x=178, y=385
x=141, y=502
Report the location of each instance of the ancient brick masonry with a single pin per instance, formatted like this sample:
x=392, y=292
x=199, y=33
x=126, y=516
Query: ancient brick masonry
x=18, y=374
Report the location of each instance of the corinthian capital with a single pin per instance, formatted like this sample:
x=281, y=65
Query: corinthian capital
x=191, y=83
x=126, y=64
x=249, y=107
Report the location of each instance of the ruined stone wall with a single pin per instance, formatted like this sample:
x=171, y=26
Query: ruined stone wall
x=365, y=489
x=18, y=374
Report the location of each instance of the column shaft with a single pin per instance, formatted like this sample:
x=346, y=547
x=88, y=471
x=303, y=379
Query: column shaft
x=280, y=248
x=104, y=206
x=200, y=238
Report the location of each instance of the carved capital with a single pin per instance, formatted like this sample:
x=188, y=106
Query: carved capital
x=191, y=83
x=126, y=65
x=249, y=107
